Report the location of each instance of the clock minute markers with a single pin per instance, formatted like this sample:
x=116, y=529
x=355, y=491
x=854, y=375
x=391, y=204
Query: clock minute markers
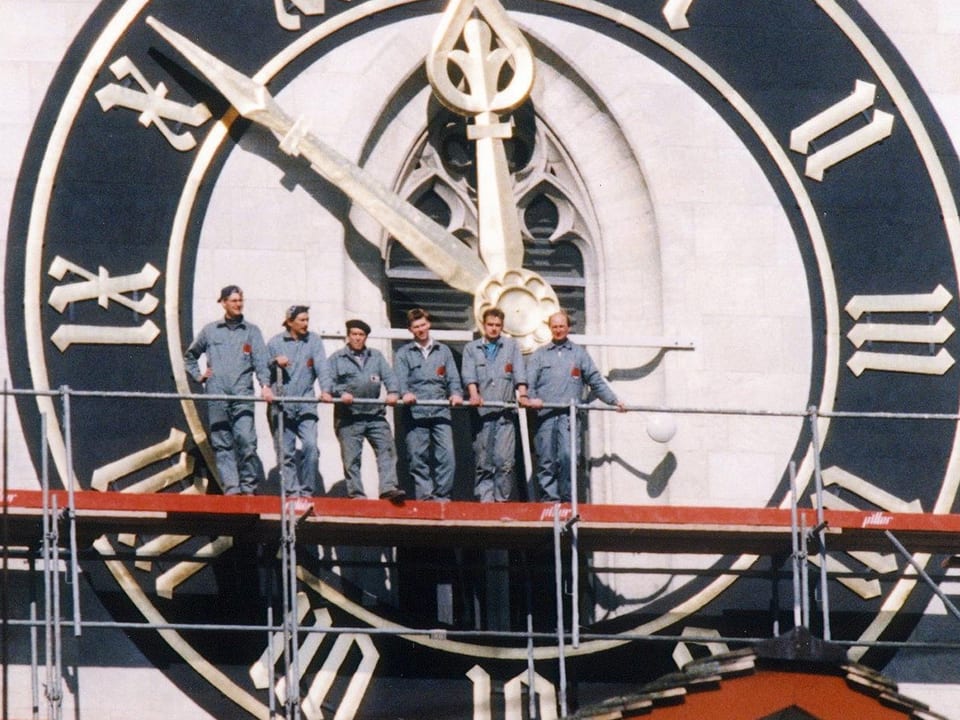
x=440, y=251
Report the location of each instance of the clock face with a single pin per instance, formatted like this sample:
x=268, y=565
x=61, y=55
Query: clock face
x=692, y=170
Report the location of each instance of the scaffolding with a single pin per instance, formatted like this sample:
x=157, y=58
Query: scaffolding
x=50, y=527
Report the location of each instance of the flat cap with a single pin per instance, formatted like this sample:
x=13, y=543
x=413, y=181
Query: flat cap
x=359, y=324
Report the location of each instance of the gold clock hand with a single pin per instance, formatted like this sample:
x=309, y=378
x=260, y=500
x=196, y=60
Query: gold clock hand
x=482, y=66
x=436, y=248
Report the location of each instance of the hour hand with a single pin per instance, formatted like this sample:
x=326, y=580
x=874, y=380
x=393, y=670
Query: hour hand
x=439, y=250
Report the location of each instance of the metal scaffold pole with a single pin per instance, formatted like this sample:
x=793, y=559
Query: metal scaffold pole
x=71, y=510
x=795, y=556
x=286, y=611
x=34, y=662
x=820, y=530
x=294, y=629
x=804, y=575
x=53, y=690
x=5, y=585
x=947, y=602
x=574, y=533
x=271, y=659
x=288, y=568
x=56, y=694
x=558, y=578
x=531, y=672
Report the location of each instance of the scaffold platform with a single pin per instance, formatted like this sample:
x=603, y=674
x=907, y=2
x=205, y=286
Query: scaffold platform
x=620, y=528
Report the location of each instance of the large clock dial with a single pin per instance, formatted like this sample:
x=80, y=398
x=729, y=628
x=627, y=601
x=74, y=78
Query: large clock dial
x=687, y=169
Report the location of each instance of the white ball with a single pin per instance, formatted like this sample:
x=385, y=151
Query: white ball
x=661, y=428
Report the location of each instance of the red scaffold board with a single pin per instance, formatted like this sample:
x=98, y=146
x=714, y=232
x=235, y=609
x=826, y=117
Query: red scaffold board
x=626, y=528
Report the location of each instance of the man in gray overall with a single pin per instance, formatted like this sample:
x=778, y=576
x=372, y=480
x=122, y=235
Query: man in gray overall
x=558, y=373
x=493, y=371
x=358, y=373
x=297, y=363
x=426, y=370
x=235, y=352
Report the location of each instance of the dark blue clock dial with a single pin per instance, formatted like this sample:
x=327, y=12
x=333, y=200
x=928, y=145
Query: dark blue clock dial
x=99, y=193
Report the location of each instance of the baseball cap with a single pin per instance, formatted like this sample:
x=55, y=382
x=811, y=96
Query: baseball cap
x=293, y=311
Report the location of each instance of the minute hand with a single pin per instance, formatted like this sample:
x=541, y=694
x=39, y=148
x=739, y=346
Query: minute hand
x=436, y=248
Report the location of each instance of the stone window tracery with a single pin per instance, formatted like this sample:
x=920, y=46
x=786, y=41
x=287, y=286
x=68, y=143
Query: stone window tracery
x=556, y=217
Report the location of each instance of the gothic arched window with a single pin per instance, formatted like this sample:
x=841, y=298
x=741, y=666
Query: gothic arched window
x=440, y=179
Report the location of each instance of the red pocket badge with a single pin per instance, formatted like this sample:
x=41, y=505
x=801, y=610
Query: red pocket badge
x=508, y=368
x=309, y=362
x=247, y=349
x=575, y=372
x=441, y=371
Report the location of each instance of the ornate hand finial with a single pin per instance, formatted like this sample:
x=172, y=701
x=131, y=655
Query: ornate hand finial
x=480, y=66
x=492, y=75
